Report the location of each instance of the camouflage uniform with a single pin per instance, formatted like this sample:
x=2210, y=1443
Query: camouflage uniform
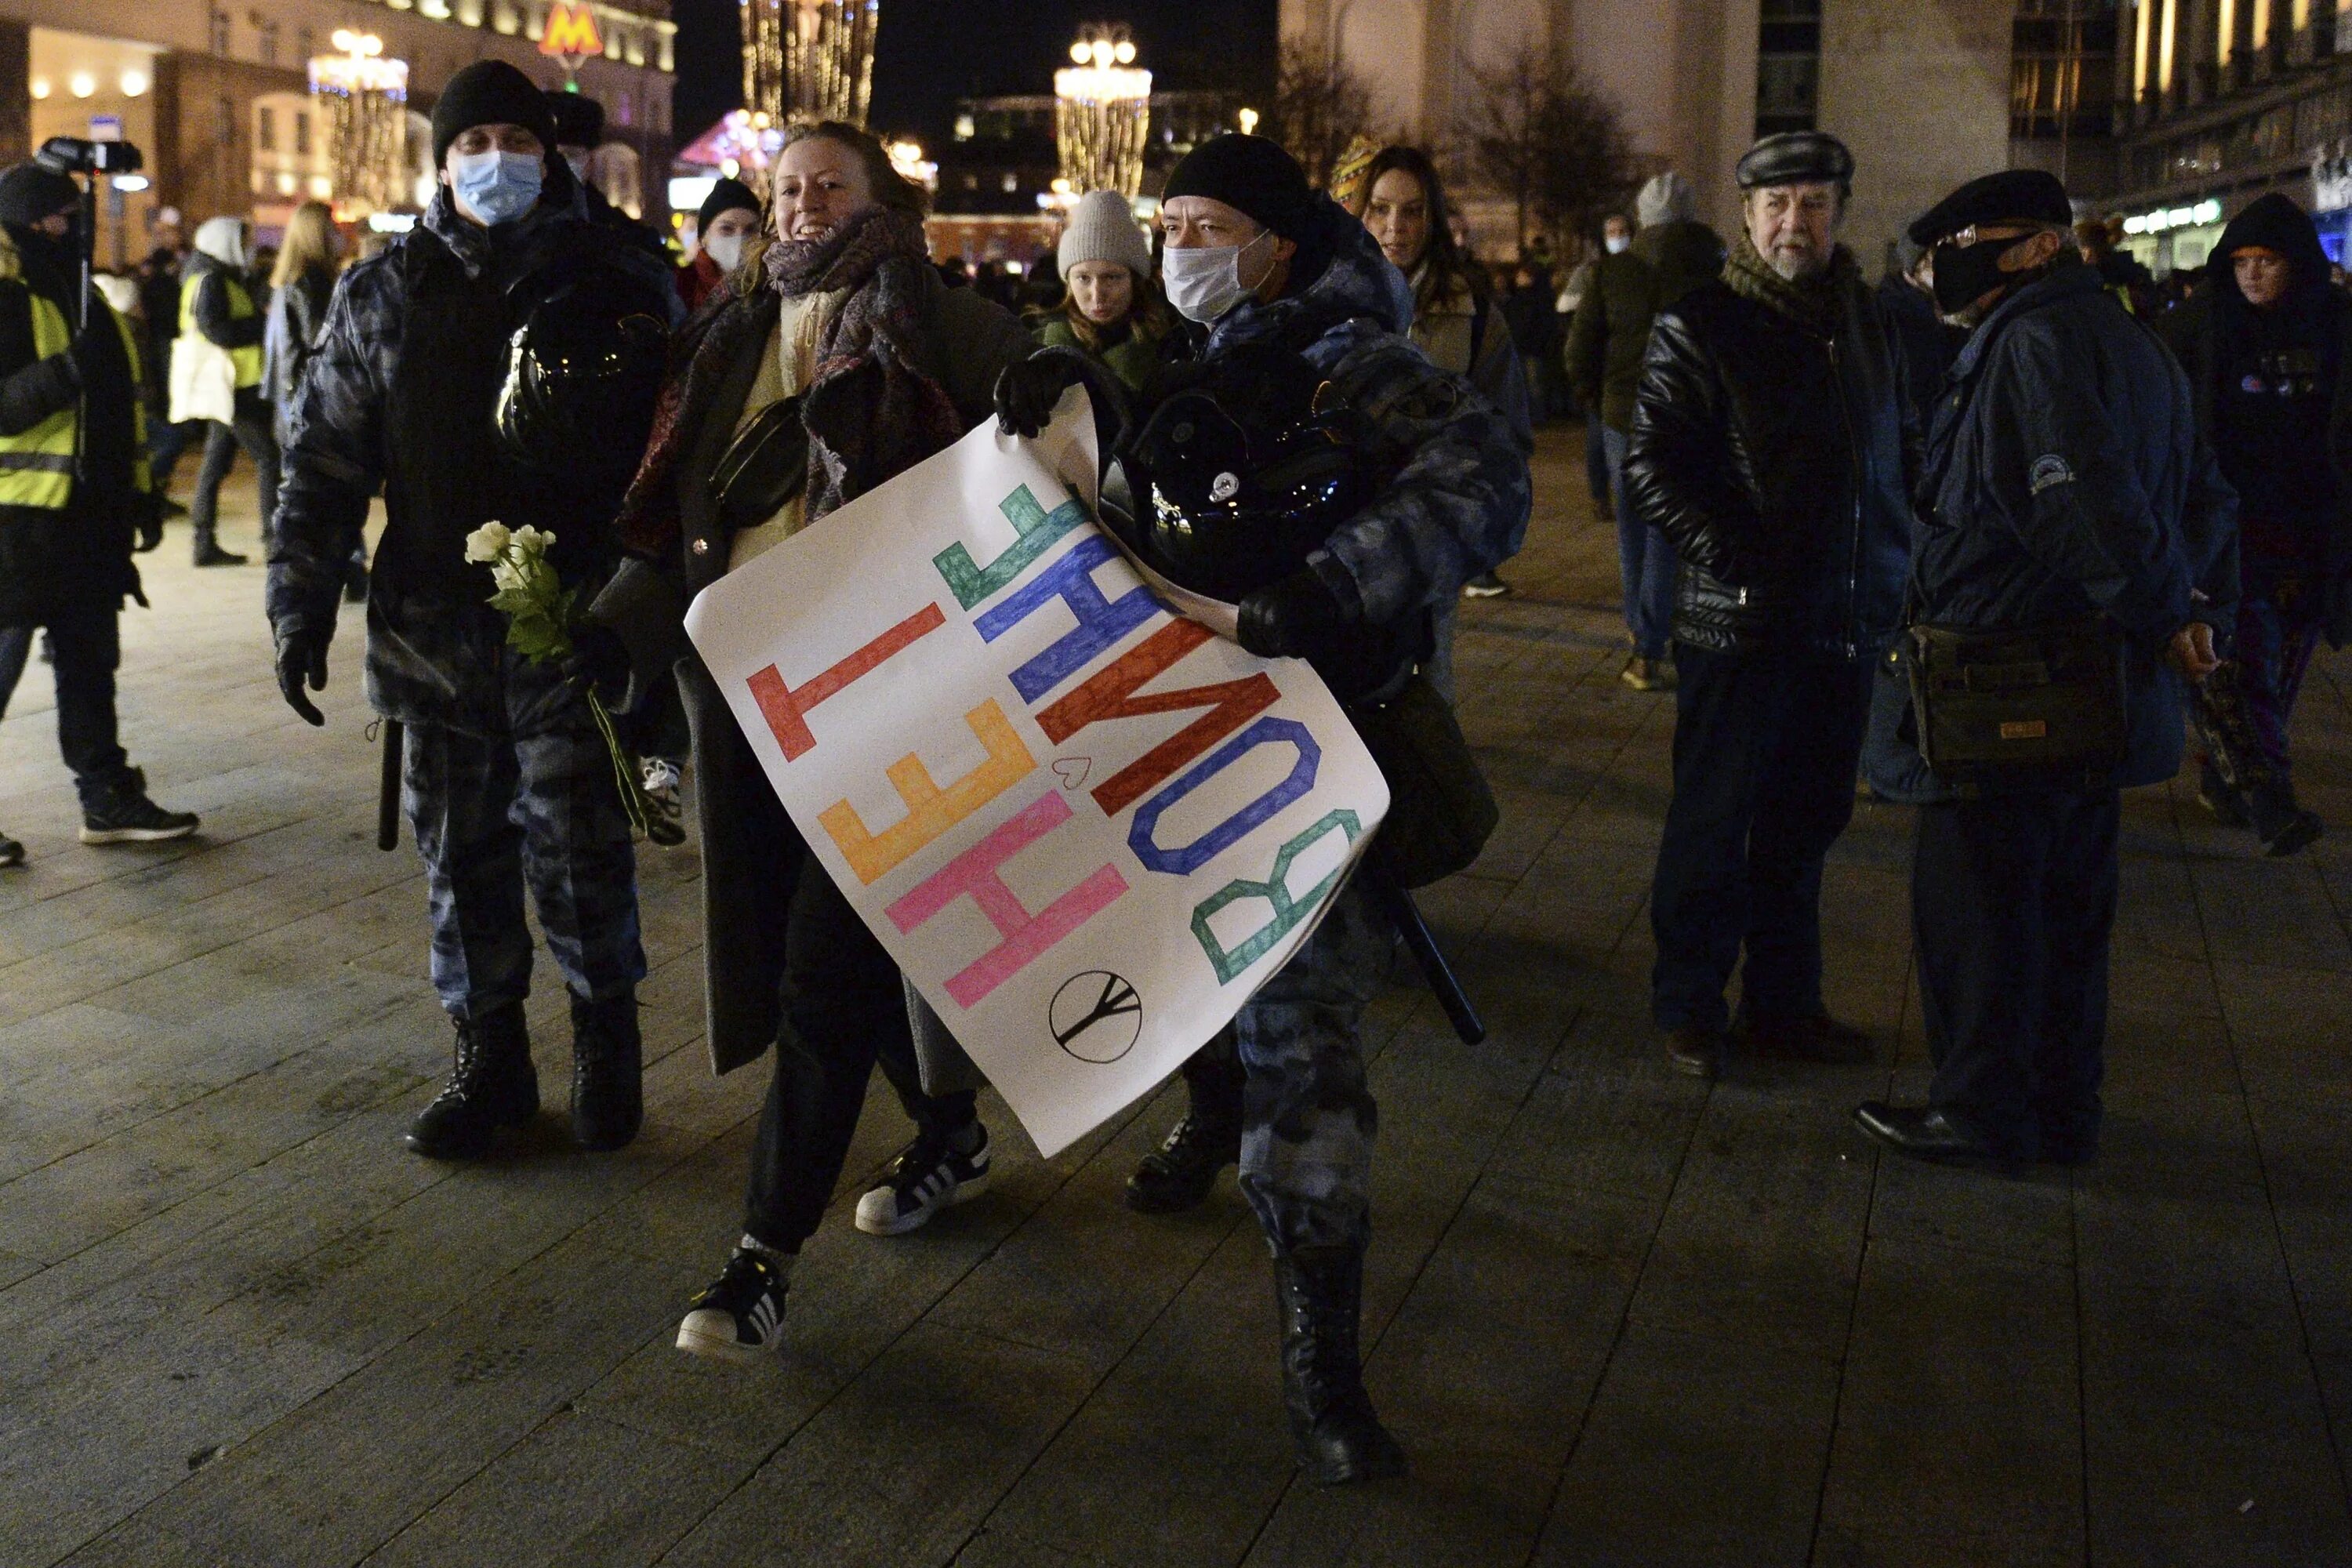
x=506, y=780
x=1454, y=504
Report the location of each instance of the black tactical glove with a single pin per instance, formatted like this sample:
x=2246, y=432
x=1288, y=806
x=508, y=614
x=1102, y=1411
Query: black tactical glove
x=150, y=522
x=1027, y=390
x=599, y=663
x=302, y=656
x=1298, y=617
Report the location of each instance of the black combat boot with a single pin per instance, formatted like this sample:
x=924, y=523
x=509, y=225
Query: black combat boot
x=493, y=1086
x=1339, y=1438
x=608, y=1099
x=1179, y=1174
x=2279, y=819
x=208, y=550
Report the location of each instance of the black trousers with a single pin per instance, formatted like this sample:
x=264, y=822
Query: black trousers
x=252, y=432
x=2014, y=905
x=1765, y=752
x=86, y=645
x=844, y=1009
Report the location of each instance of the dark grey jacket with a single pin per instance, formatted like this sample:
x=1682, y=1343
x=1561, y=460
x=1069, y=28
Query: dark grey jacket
x=2065, y=475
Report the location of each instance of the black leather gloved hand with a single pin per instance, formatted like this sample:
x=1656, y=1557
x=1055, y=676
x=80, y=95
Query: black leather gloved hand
x=302, y=656
x=599, y=663
x=1298, y=617
x=1027, y=390
x=149, y=523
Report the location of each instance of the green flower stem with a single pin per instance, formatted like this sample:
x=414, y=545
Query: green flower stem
x=625, y=766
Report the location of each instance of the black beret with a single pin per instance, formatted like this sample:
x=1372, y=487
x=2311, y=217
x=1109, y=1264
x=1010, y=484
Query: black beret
x=490, y=92
x=725, y=197
x=31, y=191
x=2012, y=195
x=579, y=119
x=1249, y=173
x=1795, y=158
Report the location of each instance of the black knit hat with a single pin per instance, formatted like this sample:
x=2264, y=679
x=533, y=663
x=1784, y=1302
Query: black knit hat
x=725, y=195
x=490, y=92
x=1795, y=158
x=2012, y=195
x=2272, y=222
x=579, y=119
x=1250, y=173
x=31, y=191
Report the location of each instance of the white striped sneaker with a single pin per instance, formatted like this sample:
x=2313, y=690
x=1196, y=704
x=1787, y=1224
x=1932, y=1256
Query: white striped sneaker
x=739, y=1316
x=925, y=1178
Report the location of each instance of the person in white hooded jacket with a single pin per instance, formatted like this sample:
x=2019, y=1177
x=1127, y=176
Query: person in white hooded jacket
x=216, y=376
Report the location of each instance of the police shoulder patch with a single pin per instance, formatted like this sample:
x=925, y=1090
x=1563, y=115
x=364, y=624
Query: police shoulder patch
x=2049, y=469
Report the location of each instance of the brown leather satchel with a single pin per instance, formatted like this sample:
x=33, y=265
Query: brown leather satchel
x=2020, y=707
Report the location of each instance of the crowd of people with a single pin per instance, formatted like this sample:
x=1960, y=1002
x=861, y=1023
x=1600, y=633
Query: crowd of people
x=1974, y=536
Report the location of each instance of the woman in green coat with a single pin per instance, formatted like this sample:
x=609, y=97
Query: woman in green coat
x=1111, y=310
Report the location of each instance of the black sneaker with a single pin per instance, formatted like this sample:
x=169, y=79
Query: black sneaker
x=11, y=852
x=1486, y=585
x=739, y=1316
x=925, y=1178
x=1178, y=1175
x=125, y=815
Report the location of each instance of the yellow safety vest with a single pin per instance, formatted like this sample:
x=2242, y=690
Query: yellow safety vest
x=36, y=466
x=248, y=359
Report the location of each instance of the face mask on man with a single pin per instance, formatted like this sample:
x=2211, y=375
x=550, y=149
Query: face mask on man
x=1967, y=273
x=1618, y=244
x=499, y=186
x=1205, y=281
x=725, y=250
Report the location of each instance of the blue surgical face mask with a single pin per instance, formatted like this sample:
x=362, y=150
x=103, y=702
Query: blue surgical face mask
x=499, y=186
x=1204, y=281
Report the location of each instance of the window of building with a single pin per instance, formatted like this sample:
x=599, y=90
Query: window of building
x=2061, y=69
x=265, y=129
x=220, y=31
x=1788, y=65
x=306, y=42
x=301, y=133
x=266, y=38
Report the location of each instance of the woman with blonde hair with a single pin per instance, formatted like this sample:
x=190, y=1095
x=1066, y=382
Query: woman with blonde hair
x=300, y=284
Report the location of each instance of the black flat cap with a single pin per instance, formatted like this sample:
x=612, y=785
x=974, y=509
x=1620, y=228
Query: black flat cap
x=2013, y=195
x=1795, y=158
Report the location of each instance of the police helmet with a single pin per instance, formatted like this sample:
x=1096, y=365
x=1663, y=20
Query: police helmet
x=580, y=380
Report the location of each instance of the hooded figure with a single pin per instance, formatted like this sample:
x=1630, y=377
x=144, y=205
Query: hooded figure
x=2266, y=340
x=1274, y=273
x=74, y=493
x=218, y=374
x=506, y=779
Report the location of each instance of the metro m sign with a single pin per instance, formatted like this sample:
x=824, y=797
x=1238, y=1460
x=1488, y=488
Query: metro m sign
x=571, y=30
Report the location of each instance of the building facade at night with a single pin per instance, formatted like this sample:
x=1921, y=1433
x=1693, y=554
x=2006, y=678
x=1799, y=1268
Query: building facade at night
x=217, y=92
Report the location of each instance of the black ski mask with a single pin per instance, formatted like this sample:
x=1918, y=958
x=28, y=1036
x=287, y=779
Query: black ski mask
x=1967, y=273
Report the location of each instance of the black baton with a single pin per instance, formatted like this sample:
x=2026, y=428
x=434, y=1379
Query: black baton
x=1405, y=915
x=387, y=800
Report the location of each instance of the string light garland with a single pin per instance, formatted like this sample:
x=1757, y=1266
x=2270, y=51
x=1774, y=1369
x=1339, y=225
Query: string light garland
x=809, y=59
x=1102, y=114
x=363, y=99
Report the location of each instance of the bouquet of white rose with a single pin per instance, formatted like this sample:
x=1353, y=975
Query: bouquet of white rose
x=538, y=611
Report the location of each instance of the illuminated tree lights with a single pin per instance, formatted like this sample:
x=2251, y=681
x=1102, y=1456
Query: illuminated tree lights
x=363, y=99
x=809, y=59
x=1102, y=114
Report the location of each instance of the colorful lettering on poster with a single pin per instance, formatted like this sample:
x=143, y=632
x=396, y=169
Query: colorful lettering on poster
x=1231, y=963
x=1101, y=622
x=786, y=708
x=1026, y=936
x=931, y=810
x=1183, y=862
x=1036, y=531
x=1111, y=693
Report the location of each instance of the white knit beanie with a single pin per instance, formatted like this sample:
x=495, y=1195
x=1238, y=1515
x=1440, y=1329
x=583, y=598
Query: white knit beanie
x=1102, y=227
x=1667, y=198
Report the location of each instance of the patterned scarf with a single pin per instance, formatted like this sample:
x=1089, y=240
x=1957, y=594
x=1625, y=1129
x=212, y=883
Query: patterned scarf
x=871, y=411
x=1814, y=303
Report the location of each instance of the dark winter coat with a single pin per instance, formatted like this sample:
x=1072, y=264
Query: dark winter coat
x=1927, y=344
x=297, y=316
x=1684, y=253
x=2195, y=334
x=1133, y=356
x=399, y=396
x=211, y=308
x=746, y=869
x=1775, y=457
x=1624, y=295
x=56, y=560
x=2065, y=475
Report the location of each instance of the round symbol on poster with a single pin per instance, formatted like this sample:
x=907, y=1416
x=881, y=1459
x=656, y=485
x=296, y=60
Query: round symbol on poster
x=1096, y=1016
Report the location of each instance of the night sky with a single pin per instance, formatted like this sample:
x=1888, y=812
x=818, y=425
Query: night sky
x=932, y=52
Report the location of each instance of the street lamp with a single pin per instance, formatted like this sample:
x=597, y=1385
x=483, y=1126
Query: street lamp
x=809, y=59
x=1102, y=113
x=363, y=99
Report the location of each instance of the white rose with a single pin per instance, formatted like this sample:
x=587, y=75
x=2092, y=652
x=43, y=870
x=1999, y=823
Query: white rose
x=486, y=543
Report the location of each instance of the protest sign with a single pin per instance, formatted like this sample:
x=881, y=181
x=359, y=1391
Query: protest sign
x=1086, y=828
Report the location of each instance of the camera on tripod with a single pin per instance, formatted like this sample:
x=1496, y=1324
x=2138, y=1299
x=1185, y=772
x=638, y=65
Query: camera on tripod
x=79, y=155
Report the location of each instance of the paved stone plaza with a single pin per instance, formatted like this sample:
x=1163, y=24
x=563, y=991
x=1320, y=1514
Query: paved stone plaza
x=1617, y=1316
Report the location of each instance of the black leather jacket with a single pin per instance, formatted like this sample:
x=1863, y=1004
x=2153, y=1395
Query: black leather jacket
x=1779, y=464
